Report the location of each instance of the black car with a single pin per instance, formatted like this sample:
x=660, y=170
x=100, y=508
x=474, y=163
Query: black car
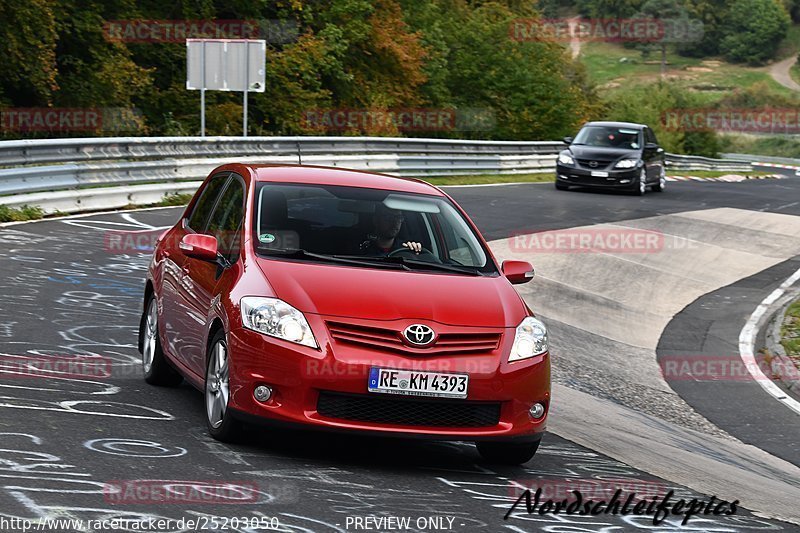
x=619, y=155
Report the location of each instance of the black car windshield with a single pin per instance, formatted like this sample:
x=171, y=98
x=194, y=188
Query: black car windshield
x=364, y=227
x=609, y=137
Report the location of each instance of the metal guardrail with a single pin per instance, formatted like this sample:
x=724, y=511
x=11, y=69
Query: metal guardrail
x=694, y=162
x=763, y=159
x=37, y=152
x=72, y=175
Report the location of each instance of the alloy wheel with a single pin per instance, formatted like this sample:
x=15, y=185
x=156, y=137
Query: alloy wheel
x=150, y=336
x=217, y=391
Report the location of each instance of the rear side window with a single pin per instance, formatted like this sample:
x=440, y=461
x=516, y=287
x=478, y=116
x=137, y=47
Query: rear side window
x=208, y=196
x=226, y=220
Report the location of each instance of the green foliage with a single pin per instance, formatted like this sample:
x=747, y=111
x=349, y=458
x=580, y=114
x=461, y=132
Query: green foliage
x=761, y=144
x=647, y=104
x=754, y=29
x=171, y=200
x=531, y=88
x=347, y=54
x=608, y=8
x=15, y=214
x=27, y=46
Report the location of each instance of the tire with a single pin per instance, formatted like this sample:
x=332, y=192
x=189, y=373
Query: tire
x=219, y=419
x=157, y=370
x=641, y=185
x=507, y=453
x=662, y=181
x=561, y=186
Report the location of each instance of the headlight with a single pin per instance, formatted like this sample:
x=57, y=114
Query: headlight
x=627, y=163
x=565, y=159
x=276, y=318
x=530, y=340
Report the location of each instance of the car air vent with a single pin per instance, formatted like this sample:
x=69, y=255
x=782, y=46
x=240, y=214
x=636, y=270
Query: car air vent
x=408, y=411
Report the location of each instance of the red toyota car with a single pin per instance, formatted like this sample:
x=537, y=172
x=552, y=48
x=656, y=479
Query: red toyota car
x=345, y=300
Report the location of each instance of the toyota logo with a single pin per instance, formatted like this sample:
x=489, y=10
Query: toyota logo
x=419, y=334
x=593, y=164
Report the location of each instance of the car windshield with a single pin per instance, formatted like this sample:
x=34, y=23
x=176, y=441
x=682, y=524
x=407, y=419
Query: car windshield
x=365, y=227
x=609, y=137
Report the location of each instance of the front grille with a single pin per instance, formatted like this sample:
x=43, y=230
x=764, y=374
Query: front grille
x=408, y=411
x=601, y=163
x=392, y=340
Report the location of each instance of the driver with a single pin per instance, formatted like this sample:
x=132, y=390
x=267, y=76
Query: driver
x=387, y=226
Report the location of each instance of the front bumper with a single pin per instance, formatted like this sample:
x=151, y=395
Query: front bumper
x=299, y=375
x=575, y=175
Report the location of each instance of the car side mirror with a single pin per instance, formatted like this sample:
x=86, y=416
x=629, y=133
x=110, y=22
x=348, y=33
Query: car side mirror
x=568, y=140
x=517, y=271
x=651, y=146
x=199, y=246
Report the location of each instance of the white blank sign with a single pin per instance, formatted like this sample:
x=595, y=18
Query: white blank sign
x=226, y=65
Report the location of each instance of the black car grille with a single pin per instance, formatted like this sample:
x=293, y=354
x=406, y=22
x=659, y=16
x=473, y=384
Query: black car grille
x=600, y=164
x=408, y=411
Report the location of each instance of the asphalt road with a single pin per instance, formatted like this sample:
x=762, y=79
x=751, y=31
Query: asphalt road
x=67, y=439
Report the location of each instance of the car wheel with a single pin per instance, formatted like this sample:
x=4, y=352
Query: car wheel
x=507, y=453
x=662, y=181
x=221, y=423
x=561, y=186
x=157, y=370
x=641, y=186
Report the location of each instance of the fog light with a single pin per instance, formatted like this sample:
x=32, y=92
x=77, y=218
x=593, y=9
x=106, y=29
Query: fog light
x=536, y=411
x=624, y=181
x=262, y=393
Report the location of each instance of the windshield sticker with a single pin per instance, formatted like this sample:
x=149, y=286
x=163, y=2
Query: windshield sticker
x=266, y=238
x=629, y=132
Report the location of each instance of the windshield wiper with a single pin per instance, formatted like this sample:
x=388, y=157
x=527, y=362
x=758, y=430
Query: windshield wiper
x=351, y=260
x=442, y=266
x=408, y=263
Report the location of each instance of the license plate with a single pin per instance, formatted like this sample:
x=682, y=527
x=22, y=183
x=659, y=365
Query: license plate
x=414, y=383
x=599, y=174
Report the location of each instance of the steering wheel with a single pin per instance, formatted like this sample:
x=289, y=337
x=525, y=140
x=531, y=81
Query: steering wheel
x=424, y=253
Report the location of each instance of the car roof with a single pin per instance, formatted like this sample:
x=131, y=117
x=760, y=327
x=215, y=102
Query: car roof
x=318, y=175
x=631, y=125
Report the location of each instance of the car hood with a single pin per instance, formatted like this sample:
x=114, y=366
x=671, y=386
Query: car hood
x=384, y=294
x=601, y=153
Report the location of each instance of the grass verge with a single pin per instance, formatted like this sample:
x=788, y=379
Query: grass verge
x=613, y=67
x=716, y=173
x=18, y=214
x=790, y=332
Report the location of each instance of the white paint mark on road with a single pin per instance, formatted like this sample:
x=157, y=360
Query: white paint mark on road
x=747, y=339
x=133, y=448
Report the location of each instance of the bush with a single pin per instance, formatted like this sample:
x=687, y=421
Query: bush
x=705, y=143
x=753, y=30
x=647, y=104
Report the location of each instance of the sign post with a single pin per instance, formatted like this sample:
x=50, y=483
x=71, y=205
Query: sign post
x=225, y=65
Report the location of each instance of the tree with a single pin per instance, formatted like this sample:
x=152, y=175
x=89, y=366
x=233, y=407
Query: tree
x=27, y=46
x=754, y=29
x=670, y=13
